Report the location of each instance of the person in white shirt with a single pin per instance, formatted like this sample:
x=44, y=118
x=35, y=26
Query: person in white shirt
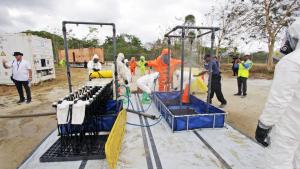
x=94, y=65
x=21, y=75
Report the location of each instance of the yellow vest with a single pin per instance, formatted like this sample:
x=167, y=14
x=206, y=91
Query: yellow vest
x=243, y=72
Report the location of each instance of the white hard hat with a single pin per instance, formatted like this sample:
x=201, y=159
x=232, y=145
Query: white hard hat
x=95, y=56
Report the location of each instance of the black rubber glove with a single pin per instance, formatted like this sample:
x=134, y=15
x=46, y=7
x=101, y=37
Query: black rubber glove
x=126, y=82
x=261, y=134
x=197, y=75
x=146, y=64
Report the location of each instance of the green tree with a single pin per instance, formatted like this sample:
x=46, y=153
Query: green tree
x=265, y=19
x=130, y=45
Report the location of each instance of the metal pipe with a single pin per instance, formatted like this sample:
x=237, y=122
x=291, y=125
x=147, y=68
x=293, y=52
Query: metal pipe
x=191, y=27
x=28, y=115
x=187, y=123
x=182, y=64
x=115, y=62
x=198, y=36
x=208, y=114
x=67, y=57
x=153, y=117
x=169, y=60
x=174, y=29
x=190, y=71
x=66, y=44
x=177, y=36
x=197, y=27
x=173, y=36
x=87, y=23
x=210, y=70
x=172, y=124
x=214, y=123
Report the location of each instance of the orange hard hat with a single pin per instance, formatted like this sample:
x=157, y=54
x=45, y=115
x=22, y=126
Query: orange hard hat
x=165, y=51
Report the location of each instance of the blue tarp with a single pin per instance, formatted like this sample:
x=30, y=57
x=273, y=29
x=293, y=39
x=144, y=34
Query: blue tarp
x=214, y=118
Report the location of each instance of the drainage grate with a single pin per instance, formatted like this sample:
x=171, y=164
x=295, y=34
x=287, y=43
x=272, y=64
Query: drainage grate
x=76, y=148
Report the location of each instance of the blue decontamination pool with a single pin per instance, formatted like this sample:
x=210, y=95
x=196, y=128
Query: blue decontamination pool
x=188, y=116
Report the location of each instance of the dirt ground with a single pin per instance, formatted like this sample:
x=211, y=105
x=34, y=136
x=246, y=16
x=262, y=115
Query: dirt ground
x=243, y=113
x=18, y=137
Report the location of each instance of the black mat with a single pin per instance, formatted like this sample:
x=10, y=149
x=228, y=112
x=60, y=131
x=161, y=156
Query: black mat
x=71, y=149
x=171, y=102
x=185, y=111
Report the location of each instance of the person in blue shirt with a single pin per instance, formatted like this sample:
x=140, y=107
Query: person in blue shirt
x=215, y=79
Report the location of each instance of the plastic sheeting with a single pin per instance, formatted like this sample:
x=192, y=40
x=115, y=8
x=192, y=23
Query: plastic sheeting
x=114, y=142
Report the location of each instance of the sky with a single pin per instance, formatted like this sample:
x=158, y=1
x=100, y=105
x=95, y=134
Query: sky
x=147, y=19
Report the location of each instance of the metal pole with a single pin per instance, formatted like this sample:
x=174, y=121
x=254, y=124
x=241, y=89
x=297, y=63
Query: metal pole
x=88, y=23
x=182, y=64
x=203, y=34
x=190, y=71
x=67, y=57
x=115, y=62
x=210, y=70
x=169, y=59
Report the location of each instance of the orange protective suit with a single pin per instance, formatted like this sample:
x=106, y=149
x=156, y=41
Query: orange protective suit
x=160, y=65
x=132, y=65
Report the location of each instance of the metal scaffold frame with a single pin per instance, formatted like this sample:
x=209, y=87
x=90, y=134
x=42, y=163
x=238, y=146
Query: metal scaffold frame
x=170, y=34
x=64, y=29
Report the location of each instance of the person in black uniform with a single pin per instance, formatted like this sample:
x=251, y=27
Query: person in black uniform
x=215, y=79
x=235, y=67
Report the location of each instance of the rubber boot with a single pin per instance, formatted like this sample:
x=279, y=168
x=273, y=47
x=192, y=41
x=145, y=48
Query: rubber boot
x=127, y=94
x=125, y=101
x=145, y=98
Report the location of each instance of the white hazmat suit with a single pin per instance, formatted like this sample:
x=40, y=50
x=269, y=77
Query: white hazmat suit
x=124, y=74
x=147, y=82
x=185, y=79
x=282, y=110
x=122, y=69
x=92, y=65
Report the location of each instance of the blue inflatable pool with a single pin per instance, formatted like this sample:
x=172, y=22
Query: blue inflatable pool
x=188, y=116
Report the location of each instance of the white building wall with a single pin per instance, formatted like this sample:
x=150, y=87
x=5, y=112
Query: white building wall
x=37, y=51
